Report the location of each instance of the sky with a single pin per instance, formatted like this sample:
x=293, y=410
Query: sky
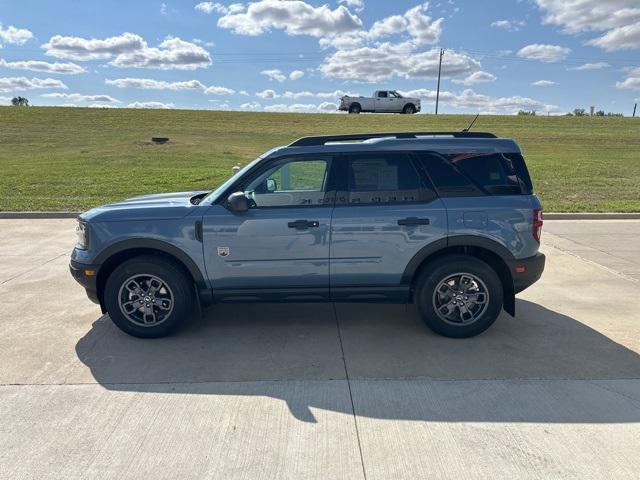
x=500, y=56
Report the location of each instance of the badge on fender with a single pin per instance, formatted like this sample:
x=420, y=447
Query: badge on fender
x=223, y=251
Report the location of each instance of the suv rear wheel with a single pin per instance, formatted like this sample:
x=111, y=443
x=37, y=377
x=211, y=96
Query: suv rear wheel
x=459, y=296
x=355, y=108
x=149, y=297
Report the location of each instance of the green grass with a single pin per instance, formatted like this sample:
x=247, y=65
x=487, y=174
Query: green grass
x=73, y=159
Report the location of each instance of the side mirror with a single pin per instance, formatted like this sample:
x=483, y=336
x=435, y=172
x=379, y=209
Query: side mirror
x=272, y=185
x=237, y=202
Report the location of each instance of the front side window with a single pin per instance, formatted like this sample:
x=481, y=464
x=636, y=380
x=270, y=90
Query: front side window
x=385, y=179
x=382, y=94
x=297, y=182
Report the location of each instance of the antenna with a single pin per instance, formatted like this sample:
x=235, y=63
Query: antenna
x=474, y=121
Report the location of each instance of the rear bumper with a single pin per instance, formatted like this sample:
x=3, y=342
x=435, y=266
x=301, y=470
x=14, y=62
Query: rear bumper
x=81, y=273
x=527, y=271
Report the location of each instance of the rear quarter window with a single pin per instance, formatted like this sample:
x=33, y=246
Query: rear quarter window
x=469, y=174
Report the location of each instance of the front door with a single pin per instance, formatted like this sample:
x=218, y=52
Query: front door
x=280, y=246
x=385, y=214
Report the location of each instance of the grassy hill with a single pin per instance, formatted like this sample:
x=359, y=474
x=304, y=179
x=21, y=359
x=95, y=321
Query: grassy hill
x=76, y=158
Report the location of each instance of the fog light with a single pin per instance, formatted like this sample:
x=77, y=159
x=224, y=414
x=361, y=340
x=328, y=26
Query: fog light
x=89, y=273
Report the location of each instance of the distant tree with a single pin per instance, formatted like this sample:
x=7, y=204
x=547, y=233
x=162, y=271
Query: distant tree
x=579, y=112
x=20, y=102
x=527, y=113
x=611, y=114
x=600, y=113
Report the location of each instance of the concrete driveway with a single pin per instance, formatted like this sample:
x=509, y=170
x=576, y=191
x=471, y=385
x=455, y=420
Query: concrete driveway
x=321, y=391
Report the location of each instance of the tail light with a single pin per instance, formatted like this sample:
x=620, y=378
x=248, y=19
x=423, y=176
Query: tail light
x=537, y=224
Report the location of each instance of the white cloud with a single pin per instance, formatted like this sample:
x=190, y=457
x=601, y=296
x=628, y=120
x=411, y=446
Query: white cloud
x=544, y=83
x=621, y=38
x=77, y=97
x=39, y=66
x=154, y=105
x=82, y=49
x=477, y=77
x=544, y=53
x=386, y=61
x=468, y=100
x=172, y=53
x=510, y=25
x=15, y=36
x=632, y=82
x=210, y=7
x=214, y=90
x=295, y=17
x=150, y=84
x=203, y=43
x=357, y=5
x=274, y=74
x=163, y=9
x=267, y=94
x=16, y=84
x=296, y=75
x=302, y=107
x=131, y=51
x=619, y=19
x=421, y=29
x=250, y=106
x=592, y=66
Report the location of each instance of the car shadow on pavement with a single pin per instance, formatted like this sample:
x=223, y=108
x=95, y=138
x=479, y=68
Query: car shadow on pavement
x=252, y=349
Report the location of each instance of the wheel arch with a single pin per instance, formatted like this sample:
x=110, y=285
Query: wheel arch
x=409, y=104
x=353, y=104
x=120, y=252
x=491, y=252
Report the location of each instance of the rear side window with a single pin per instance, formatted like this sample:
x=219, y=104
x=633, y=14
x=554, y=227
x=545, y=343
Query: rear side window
x=389, y=178
x=489, y=174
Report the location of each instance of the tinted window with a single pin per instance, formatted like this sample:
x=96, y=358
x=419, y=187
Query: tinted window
x=382, y=94
x=449, y=181
x=469, y=174
x=494, y=172
x=385, y=179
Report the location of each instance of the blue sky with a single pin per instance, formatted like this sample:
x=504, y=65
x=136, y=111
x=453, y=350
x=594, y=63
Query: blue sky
x=292, y=55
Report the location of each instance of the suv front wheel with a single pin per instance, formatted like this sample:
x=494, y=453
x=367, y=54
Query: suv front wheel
x=149, y=296
x=459, y=296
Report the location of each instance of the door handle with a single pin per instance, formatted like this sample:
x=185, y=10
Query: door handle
x=302, y=224
x=413, y=221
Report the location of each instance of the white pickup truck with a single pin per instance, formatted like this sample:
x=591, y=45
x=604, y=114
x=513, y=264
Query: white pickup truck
x=383, y=101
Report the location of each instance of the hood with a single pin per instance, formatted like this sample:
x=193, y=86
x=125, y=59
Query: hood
x=157, y=206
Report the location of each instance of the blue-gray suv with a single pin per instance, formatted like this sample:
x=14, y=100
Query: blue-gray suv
x=445, y=220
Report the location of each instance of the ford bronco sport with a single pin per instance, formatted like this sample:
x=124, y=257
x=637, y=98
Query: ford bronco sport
x=445, y=220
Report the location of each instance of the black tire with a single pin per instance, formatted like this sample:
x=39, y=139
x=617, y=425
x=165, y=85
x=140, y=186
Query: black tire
x=355, y=109
x=409, y=109
x=176, y=285
x=447, y=267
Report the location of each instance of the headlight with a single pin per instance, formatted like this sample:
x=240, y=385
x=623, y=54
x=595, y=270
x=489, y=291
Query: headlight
x=83, y=235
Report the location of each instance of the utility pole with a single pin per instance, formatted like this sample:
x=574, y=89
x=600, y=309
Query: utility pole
x=634, y=110
x=439, y=75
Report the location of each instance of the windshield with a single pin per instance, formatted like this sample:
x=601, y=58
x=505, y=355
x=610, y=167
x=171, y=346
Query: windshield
x=212, y=196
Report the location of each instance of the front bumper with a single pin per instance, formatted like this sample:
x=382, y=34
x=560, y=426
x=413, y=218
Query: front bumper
x=87, y=276
x=527, y=271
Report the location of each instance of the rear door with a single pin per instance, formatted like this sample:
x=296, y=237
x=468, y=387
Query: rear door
x=385, y=213
x=384, y=102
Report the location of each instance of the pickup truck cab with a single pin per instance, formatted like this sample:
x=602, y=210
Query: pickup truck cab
x=447, y=221
x=383, y=101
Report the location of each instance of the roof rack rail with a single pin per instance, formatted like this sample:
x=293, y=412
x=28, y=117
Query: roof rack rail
x=323, y=139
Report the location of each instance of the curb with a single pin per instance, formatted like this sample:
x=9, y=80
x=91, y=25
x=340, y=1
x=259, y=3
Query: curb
x=591, y=216
x=546, y=216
